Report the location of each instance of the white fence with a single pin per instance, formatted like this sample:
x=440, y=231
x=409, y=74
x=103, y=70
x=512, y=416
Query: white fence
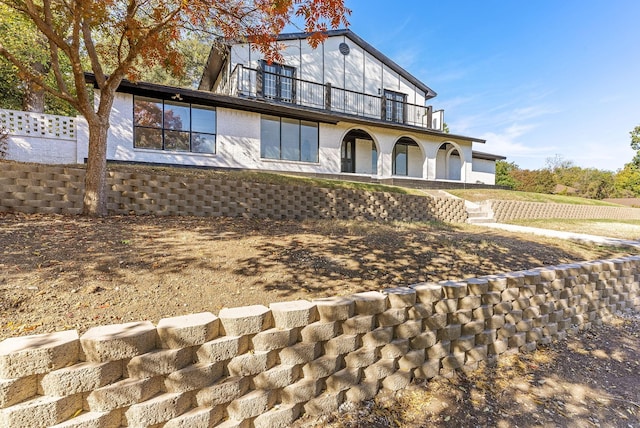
x=41, y=138
x=25, y=124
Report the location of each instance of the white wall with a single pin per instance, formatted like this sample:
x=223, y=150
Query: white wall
x=441, y=166
x=484, y=165
x=358, y=71
x=483, y=171
x=415, y=160
x=363, y=157
x=237, y=143
x=39, y=137
x=454, y=167
x=41, y=150
x=238, y=146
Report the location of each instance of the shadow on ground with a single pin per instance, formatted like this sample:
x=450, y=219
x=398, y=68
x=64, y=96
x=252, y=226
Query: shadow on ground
x=61, y=272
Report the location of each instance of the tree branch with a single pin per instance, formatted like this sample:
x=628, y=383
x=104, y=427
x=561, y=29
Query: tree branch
x=28, y=72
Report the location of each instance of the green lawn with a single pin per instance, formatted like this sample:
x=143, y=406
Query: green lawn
x=476, y=195
x=622, y=229
x=473, y=195
x=264, y=177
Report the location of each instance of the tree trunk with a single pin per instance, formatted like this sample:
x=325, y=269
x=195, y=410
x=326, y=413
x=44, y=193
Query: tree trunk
x=33, y=97
x=95, y=192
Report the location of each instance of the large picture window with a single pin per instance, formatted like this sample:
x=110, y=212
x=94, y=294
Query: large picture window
x=288, y=139
x=173, y=126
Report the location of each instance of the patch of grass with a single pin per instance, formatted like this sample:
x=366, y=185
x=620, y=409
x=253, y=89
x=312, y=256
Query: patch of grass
x=621, y=229
x=264, y=177
x=477, y=195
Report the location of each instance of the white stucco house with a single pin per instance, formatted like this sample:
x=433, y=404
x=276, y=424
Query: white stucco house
x=343, y=108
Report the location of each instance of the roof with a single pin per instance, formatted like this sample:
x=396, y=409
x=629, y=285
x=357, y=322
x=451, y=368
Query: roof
x=487, y=156
x=216, y=59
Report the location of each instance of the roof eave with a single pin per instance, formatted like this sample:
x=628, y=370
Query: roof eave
x=487, y=156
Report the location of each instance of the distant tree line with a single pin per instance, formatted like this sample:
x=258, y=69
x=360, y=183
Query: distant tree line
x=562, y=176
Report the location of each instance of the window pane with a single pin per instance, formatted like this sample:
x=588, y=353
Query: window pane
x=290, y=139
x=147, y=112
x=148, y=138
x=176, y=116
x=400, y=159
x=269, y=81
x=176, y=140
x=374, y=158
x=270, y=137
x=203, y=143
x=309, y=142
x=203, y=119
x=286, y=84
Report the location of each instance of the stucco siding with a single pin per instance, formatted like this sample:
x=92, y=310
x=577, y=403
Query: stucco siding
x=415, y=161
x=358, y=71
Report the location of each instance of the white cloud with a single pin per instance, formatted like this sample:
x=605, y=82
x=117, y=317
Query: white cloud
x=509, y=142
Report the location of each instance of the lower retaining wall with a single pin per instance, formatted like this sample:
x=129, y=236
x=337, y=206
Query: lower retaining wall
x=263, y=367
x=513, y=210
x=52, y=189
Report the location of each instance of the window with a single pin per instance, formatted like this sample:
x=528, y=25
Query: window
x=278, y=82
x=400, y=159
x=173, y=126
x=394, y=109
x=288, y=139
x=401, y=152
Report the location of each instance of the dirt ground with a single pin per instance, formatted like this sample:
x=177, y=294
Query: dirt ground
x=59, y=273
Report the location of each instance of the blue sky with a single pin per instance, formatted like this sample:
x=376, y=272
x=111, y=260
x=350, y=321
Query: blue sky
x=535, y=78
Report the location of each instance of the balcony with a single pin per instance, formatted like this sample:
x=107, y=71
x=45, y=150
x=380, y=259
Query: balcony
x=253, y=83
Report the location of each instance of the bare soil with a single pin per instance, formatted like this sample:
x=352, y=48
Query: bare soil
x=59, y=273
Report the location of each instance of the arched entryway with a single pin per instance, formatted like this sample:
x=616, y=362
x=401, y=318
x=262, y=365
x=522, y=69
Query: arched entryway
x=407, y=158
x=449, y=163
x=359, y=153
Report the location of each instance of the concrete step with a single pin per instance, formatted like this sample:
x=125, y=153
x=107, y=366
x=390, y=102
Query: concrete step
x=478, y=213
x=480, y=220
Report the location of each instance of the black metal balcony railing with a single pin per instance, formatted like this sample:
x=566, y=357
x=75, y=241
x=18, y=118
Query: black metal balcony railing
x=249, y=82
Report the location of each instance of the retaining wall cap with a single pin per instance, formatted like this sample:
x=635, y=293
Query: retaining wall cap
x=401, y=296
x=118, y=341
x=335, y=308
x=370, y=302
x=25, y=356
x=245, y=320
x=243, y=311
x=476, y=281
x=426, y=286
x=298, y=313
x=117, y=331
x=39, y=341
x=187, y=320
x=188, y=330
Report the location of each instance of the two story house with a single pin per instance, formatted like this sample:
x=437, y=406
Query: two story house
x=343, y=108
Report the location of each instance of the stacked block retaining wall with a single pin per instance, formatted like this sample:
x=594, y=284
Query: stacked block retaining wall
x=513, y=210
x=264, y=367
x=54, y=189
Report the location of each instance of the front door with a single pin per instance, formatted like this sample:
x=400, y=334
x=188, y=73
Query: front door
x=348, y=157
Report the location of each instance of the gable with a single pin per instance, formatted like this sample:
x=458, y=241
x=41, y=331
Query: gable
x=343, y=59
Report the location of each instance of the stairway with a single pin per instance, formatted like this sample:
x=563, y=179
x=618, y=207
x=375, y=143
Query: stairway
x=478, y=213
